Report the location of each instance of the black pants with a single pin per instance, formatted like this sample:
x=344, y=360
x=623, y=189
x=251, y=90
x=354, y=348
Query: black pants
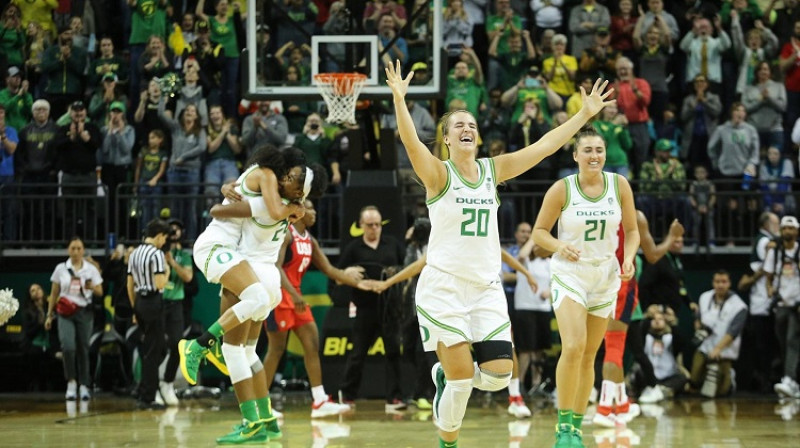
x=414, y=355
x=173, y=327
x=367, y=327
x=149, y=312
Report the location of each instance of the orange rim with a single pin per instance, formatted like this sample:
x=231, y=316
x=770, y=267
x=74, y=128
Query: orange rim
x=343, y=83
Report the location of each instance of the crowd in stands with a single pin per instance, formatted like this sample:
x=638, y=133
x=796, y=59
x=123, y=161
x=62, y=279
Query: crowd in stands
x=155, y=84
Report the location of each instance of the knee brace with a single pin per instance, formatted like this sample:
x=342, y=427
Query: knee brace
x=236, y=360
x=490, y=381
x=491, y=350
x=615, y=347
x=253, y=303
x=255, y=362
x=449, y=411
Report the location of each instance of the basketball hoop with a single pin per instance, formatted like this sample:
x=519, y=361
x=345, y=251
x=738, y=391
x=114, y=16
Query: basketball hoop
x=340, y=92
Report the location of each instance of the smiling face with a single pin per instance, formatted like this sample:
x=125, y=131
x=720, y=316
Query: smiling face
x=590, y=154
x=461, y=132
x=291, y=186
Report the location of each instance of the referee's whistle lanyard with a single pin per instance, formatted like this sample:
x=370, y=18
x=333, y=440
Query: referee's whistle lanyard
x=678, y=267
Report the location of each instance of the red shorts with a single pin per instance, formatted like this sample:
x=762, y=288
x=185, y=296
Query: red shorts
x=627, y=299
x=285, y=319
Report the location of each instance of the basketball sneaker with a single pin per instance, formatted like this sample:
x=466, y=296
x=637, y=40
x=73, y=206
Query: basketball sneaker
x=272, y=429
x=247, y=433
x=605, y=416
x=395, y=406
x=215, y=356
x=167, y=392
x=627, y=411
x=191, y=354
x=72, y=391
x=437, y=374
x=787, y=388
x=327, y=408
x=563, y=436
x=84, y=393
x=651, y=395
x=517, y=407
x=577, y=438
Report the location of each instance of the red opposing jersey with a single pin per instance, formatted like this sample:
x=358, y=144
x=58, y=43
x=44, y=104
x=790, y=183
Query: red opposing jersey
x=299, y=258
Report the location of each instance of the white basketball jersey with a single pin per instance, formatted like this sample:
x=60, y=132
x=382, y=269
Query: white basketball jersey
x=591, y=224
x=262, y=236
x=464, y=239
x=228, y=231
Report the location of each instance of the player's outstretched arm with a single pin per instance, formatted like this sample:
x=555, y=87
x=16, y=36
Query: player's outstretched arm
x=511, y=165
x=429, y=169
x=321, y=261
x=519, y=267
x=548, y=215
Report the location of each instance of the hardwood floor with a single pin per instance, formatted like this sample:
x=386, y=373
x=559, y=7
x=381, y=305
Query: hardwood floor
x=37, y=420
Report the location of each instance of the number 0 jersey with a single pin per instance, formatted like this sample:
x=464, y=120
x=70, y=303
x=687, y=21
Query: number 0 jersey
x=298, y=260
x=591, y=224
x=464, y=239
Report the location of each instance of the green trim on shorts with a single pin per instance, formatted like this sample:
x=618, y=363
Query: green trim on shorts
x=601, y=306
x=441, y=325
x=496, y=332
x=564, y=285
x=430, y=201
x=208, y=259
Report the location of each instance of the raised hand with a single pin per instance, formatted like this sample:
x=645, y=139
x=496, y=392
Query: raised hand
x=676, y=229
x=395, y=79
x=596, y=100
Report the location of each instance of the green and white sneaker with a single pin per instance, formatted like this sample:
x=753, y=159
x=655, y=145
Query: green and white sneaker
x=564, y=436
x=245, y=434
x=215, y=356
x=577, y=438
x=437, y=374
x=272, y=429
x=191, y=354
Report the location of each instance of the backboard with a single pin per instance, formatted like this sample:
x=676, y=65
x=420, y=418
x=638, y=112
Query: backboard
x=351, y=42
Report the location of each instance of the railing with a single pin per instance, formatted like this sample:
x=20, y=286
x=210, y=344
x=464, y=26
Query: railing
x=44, y=218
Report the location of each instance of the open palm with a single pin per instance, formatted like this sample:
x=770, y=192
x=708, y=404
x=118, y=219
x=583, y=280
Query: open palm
x=596, y=100
x=395, y=79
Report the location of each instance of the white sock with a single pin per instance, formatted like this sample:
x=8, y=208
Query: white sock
x=622, y=395
x=318, y=392
x=513, y=387
x=608, y=393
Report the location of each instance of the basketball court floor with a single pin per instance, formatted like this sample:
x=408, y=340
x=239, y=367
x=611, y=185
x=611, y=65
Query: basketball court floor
x=36, y=420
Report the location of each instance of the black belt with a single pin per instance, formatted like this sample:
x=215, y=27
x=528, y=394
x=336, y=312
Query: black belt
x=148, y=294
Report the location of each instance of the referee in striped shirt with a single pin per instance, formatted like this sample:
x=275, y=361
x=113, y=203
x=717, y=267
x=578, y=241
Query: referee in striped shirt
x=147, y=276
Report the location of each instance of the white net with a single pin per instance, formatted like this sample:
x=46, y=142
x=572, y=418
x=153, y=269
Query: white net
x=340, y=92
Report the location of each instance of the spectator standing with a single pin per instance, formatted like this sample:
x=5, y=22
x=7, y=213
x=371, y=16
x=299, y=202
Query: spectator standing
x=375, y=253
x=108, y=62
x=611, y=126
x=107, y=94
x=35, y=158
x=765, y=103
x=223, y=148
x=521, y=235
x=722, y=313
x=529, y=128
x=116, y=154
x=147, y=277
x=622, y=28
x=76, y=146
x=151, y=166
x=377, y=8
x=265, y=125
x=584, y=19
x=560, y=68
x=16, y=99
x=600, y=60
x=664, y=182
x=733, y=149
x=469, y=88
x=189, y=143
x=456, y=26
x=547, y=15
x=633, y=99
x=655, y=62
x=192, y=92
x=663, y=283
x=699, y=114
x=761, y=45
x=784, y=19
x=656, y=13
x=516, y=61
x=154, y=62
x=63, y=64
x=12, y=36
x=703, y=199
x=704, y=51
x=75, y=282
x=494, y=121
x=224, y=31
x=39, y=12
x=397, y=46
x=532, y=84
x=501, y=25
x=317, y=147
x=9, y=141
x=783, y=288
x=775, y=177
x=148, y=18
x=211, y=56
